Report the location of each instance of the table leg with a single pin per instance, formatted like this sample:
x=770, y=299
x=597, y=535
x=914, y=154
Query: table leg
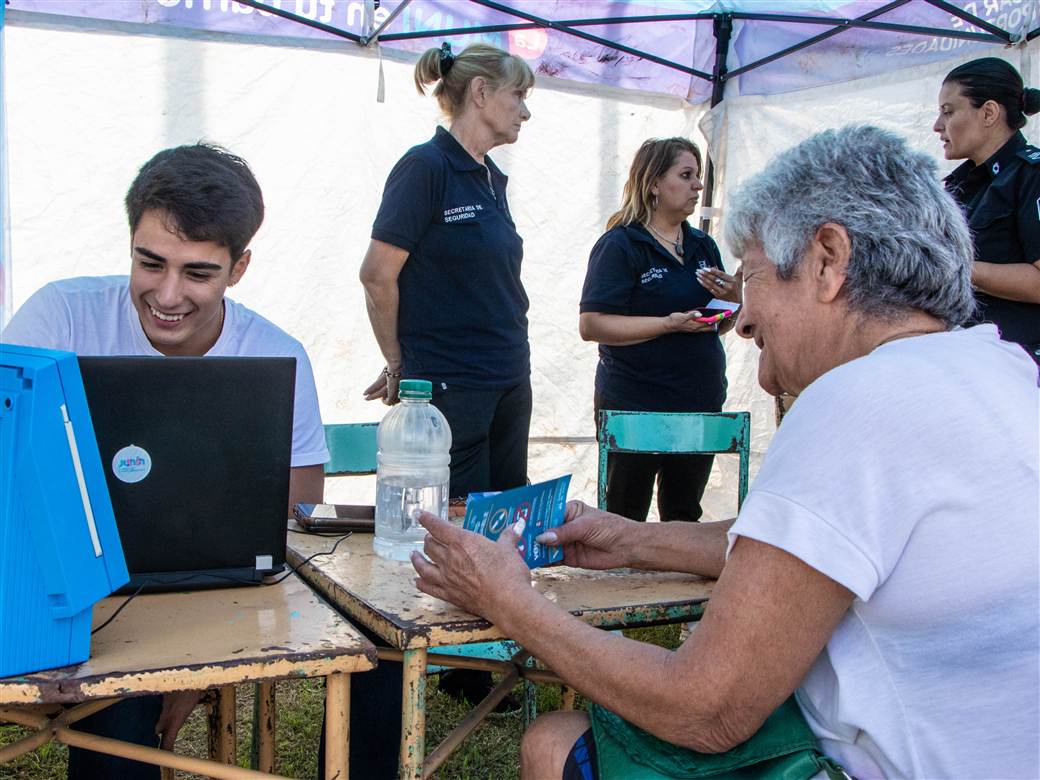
x=337, y=727
x=264, y=726
x=222, y=726
x=567, y=695
x=413, y=714
x=530, y=703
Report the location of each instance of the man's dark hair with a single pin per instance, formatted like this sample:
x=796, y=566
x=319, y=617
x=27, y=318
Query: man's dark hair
x=205, y=193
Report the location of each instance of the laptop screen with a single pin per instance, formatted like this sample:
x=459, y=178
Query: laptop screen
x=196, y=454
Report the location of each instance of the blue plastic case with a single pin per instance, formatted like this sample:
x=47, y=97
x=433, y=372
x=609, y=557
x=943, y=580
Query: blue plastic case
x=59, y=546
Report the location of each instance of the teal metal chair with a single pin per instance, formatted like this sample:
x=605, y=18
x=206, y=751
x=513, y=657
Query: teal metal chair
x=352, y=449
x=687, y=433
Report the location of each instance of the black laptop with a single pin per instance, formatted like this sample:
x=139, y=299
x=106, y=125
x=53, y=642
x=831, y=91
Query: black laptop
x=196, y=453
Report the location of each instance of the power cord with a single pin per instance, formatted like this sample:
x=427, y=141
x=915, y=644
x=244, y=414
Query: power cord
x=311, y=558
x=237, y=580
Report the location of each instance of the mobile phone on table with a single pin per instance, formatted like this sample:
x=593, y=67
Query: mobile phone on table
x=336, y=517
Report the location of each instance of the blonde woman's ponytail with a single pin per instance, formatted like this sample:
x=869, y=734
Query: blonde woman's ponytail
x=453, y=73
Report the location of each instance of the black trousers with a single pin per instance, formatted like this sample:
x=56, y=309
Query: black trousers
x=489, y=430
x=131, y=720
x=680, y=479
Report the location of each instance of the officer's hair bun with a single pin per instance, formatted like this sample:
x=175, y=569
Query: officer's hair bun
x=1030, y=101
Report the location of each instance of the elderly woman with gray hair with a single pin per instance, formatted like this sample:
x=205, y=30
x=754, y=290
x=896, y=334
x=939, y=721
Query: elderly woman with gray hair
x=885, y=506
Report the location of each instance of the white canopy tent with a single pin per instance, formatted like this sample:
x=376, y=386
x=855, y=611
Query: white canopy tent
x=89, y=100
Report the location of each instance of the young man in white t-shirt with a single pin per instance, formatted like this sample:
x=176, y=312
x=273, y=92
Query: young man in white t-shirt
x=193, y=211
x=885, y=567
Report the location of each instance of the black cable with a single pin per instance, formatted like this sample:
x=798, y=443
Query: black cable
x=236, y=580
x=295, y=569
x=121, y=607
x=327, y=534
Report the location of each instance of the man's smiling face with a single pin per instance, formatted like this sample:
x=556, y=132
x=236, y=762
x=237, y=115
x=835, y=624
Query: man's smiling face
x=177, y=285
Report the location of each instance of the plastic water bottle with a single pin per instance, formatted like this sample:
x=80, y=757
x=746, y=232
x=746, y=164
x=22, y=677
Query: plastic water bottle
x=412, y=472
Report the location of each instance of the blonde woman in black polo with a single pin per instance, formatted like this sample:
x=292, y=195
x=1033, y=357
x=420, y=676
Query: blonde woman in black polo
x=442, y=279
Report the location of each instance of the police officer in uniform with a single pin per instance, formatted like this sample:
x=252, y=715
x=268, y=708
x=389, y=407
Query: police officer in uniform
x=983, y=105
x=646, y=277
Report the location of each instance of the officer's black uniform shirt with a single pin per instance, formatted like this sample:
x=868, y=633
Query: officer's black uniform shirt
x=462, y=318
x=630, y=273
x=1001, y=199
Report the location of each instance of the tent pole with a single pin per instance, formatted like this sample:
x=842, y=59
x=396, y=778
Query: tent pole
x=722, y=29
x=374, y=37
x=971, y=19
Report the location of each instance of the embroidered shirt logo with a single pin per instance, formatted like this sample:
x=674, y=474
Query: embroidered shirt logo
x=652, y=274
x=460, y=213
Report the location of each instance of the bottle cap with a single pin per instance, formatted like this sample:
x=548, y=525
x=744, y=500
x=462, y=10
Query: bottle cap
x=416, y=389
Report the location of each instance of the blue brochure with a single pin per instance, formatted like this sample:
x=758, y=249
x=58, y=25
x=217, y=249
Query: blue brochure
x=540, y=506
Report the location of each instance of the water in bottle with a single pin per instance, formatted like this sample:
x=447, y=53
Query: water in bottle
x=412, y=472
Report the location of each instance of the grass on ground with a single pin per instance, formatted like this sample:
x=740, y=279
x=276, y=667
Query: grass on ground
x=492, y=751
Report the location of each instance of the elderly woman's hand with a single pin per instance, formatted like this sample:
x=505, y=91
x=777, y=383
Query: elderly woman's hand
x=468, y=569
x=591, y=538
x=721, y=285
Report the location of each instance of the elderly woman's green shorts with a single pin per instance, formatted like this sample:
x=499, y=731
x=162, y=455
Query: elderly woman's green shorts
x=784, y=748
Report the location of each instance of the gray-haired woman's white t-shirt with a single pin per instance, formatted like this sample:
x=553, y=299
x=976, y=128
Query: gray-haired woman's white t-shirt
x=910, y=477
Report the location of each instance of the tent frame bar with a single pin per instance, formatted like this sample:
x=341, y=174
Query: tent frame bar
x=449, y=32
x=386, y=22
x=589, y=37
x=862, y=22
x=807, y=20
x=328, y=28
x=814, y=40
x=949, y=8
x=718, y=76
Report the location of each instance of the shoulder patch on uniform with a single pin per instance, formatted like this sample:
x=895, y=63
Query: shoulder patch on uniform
x=1030, y=154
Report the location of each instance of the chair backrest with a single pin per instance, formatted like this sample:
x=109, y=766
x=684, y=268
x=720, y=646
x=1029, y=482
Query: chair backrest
x=352, y=447
x=669, y=432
